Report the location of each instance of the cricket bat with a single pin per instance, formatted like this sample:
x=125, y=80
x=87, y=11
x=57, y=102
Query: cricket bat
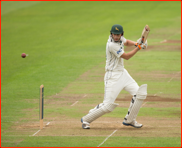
x=145, y=33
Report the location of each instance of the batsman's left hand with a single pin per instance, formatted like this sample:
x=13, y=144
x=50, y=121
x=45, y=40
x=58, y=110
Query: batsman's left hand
x=139, y=41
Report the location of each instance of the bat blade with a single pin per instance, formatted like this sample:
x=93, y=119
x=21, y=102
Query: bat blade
x=145, y=33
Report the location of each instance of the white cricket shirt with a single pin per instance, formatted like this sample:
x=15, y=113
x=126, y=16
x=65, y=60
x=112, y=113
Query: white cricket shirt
x=113, y=52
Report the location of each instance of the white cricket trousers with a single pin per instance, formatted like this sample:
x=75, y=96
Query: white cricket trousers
x=115, y=82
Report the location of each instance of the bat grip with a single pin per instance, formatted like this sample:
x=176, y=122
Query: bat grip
x=142, y=39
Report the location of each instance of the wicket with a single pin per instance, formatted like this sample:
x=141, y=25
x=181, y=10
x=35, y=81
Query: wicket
x=41, y=106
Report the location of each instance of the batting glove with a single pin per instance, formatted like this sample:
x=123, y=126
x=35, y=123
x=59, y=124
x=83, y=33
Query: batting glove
x=139, y=41
x=143, y=46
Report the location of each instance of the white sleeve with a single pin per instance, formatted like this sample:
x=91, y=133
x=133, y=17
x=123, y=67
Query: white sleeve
x=116, y=50
x=123, y=39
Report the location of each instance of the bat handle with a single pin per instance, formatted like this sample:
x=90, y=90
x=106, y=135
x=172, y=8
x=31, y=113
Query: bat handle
x=142, y=39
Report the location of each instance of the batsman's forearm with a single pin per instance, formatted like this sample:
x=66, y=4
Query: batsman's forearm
x=130, y=54
x=130, y=43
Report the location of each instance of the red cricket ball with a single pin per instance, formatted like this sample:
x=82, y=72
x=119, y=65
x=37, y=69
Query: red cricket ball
x=23, y=55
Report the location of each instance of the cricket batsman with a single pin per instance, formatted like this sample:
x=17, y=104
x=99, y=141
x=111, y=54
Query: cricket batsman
x=117, y=78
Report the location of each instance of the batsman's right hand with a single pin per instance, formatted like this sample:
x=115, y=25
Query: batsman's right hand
x=143, y=45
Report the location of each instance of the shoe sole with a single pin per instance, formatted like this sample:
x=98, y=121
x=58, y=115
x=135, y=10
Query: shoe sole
x=127, y=124
x=84, y=126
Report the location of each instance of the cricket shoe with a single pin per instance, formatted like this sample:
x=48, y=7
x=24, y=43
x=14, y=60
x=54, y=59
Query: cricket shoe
x=133, y=123
x=85, y=125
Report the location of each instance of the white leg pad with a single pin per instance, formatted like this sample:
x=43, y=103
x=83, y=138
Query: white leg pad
x=98, y=111
x=140, y=96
